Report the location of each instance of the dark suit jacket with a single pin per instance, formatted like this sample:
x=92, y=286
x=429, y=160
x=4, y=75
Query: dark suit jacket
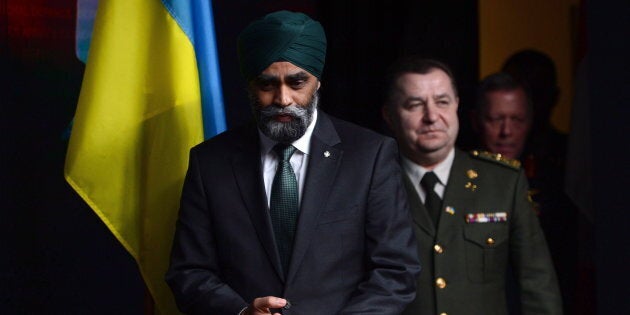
x=354, y=249
x=473, y=267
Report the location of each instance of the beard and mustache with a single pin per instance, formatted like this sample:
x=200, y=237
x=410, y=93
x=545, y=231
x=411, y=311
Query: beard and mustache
x=285, y=132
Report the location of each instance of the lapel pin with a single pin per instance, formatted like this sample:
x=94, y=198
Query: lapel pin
x=326, y=153
x=472, y=174
x=450, y=210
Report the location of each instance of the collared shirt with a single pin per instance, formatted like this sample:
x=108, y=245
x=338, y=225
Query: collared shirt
x=299, y=159
x=442, y=170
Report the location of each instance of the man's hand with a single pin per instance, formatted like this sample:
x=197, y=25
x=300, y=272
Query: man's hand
x=265, y=305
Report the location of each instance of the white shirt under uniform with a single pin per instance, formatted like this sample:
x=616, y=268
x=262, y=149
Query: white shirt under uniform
x=441, y=170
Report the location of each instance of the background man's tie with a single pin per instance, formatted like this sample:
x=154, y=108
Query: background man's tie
x=284, y=204
x=432, y=201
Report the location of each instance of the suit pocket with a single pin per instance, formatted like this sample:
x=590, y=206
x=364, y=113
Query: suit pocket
x=486, y=251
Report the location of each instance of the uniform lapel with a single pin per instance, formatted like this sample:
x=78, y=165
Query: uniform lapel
x=323, y=164
x=419, y=213
x=247, y=171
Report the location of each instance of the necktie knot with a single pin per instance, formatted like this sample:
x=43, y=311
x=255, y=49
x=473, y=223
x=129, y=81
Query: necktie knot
x=428, y=181
x=284, y=151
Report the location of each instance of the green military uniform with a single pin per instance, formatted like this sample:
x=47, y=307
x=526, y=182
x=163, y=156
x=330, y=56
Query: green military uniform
x=487, y=223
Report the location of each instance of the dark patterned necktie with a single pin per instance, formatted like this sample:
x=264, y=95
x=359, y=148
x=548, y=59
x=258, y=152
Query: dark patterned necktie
x=284, y=204
x=432, y=201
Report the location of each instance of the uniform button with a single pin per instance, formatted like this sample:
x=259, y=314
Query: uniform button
x=490, y=241
x=438, y=249
x=440, y=283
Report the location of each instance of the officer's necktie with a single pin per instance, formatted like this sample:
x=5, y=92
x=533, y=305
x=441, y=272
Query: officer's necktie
x=284, y=204
x=432, y=201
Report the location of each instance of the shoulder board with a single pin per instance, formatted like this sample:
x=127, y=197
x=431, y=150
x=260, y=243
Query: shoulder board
x=497, y=158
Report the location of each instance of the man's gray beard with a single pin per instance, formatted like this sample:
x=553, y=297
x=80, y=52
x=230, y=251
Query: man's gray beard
x=285, y=132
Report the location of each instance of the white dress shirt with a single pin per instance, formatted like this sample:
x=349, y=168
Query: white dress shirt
x=299, y=159
x=441, y=170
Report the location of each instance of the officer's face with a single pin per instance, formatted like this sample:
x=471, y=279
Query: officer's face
x=505, y=122
x=284, y=97
x=423, y=115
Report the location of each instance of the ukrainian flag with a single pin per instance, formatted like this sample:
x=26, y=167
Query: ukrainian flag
x=151, y=66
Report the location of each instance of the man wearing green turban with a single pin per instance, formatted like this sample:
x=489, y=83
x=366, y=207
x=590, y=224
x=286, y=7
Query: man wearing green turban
x=282, y=36
x=299, y=213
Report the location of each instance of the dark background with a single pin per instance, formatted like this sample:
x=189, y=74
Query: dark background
x=56, y=257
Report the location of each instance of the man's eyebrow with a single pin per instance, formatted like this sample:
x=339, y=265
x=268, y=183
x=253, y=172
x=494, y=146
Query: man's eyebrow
x=441, y=96
x=298, y=76
x=267, y=78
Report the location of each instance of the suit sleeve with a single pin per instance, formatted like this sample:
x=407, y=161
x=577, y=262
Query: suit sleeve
x=531, y=259
x=391, y=249
x=193, y=274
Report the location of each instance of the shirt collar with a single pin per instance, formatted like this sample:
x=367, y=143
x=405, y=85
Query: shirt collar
x=303, y=144
x=442, y=170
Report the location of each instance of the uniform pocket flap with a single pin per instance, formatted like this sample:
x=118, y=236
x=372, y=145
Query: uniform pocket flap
x=487, y=235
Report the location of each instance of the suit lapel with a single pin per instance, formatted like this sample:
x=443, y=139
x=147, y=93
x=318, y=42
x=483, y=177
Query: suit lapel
x=247, y=171
x=419, y=213
x=456, y=196
x=323, y=164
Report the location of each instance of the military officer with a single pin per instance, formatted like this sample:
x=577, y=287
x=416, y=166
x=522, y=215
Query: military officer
x=473, y=220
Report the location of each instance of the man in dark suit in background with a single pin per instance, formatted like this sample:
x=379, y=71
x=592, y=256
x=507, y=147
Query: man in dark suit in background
x=300, y=213
x=471, y=211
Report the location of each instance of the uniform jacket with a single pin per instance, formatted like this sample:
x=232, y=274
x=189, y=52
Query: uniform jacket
x=354, y=250
x=465, y=264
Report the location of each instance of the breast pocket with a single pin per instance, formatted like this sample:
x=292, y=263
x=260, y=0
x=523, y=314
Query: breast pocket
x=486, y=251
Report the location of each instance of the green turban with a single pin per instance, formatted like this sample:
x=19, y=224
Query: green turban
x=282, y=36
